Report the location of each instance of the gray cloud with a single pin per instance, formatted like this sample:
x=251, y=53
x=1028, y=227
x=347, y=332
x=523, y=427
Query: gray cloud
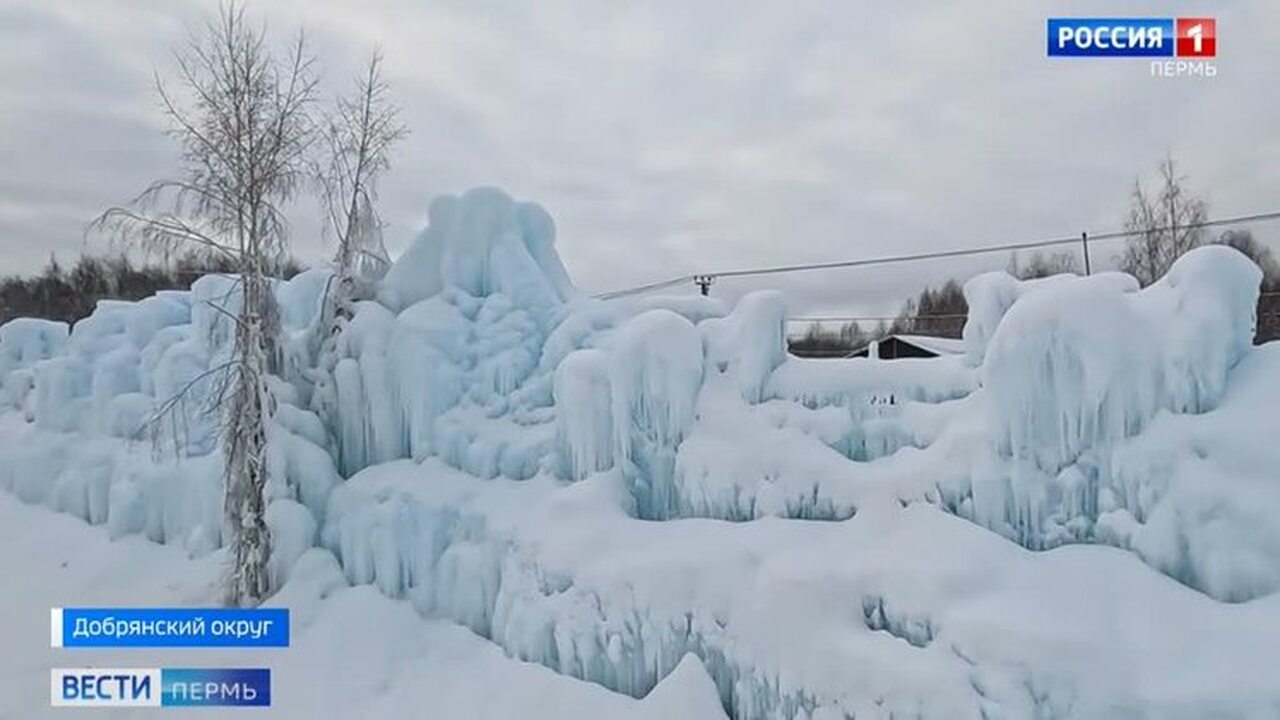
x=669, y=137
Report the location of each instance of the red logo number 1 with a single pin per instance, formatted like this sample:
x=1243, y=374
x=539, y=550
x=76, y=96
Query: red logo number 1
x=1197, y=37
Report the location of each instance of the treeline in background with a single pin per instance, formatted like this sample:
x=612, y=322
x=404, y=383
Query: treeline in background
x=1162, y=224
x=70, y=292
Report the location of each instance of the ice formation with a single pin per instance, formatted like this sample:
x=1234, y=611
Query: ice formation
x=1066, y=370
x=572, y=478
x=23, y=342
x=132, y=384
x=481, y=243
x=1082, y=365
x=585, y=437
x=990, y=295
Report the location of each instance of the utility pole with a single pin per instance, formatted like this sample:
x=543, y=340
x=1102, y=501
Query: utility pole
x=704, y=283
x=1084, y=243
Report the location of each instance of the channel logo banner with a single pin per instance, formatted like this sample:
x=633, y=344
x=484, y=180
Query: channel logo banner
x=204, y=687
x=1133, y=37
x=168, y=627
x=160, y=687
x=105, y=687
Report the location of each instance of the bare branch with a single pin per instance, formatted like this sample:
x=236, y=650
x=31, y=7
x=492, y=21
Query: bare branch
x=242, y=117
x=1166, y=224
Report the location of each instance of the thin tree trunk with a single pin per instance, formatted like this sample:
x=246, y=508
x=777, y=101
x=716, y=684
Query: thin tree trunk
x=246, y=450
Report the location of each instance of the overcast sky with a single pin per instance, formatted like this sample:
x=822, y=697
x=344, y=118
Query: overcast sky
x=685, y=136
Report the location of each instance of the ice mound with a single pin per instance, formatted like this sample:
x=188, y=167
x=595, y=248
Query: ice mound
x=1080, y=381
x=122, y=427
x=480, y=352
x=657, y=371
x=585, y=435
x=1082, y=363
x=24, y=341
x=990, y=295
x=450, y=352
x=482, y=243
x=750, y=343
x=1192, y=494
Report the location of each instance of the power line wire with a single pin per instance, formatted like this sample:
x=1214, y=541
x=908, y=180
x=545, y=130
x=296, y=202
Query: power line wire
x=1008, y=247
x=645, y=288
x=848, y=318
x=911, y=318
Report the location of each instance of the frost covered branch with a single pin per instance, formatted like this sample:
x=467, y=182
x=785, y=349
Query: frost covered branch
x=243, y=118
x=358, y=135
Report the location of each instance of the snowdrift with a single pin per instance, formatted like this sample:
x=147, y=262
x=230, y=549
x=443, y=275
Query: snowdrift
x=605, y=487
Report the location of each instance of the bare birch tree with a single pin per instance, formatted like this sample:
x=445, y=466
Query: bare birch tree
x=1167, y=225
x=241, y=115
x=358, y=133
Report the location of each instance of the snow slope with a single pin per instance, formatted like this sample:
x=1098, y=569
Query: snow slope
x=1070, y=520
x=354, y=653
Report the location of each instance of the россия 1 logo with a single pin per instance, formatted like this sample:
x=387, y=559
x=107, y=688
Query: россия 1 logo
x=1192, y=40
x=1197, y=37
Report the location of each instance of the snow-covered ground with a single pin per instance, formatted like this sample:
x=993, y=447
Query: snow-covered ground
x=355, y=653
x=899, y=610
x=1073, y=518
